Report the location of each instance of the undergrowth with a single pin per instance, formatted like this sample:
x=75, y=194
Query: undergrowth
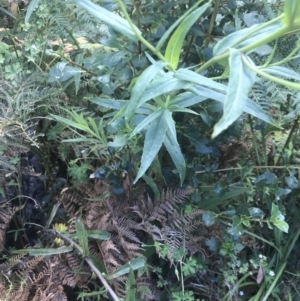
x=149, y=150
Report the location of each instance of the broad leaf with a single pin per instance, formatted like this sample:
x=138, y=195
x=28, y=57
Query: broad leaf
x=112, y=19
x=241, y=80
x=60, y=72
x=154, y=138
x=174, y=46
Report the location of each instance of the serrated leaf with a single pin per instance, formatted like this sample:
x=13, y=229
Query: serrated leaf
x=114, y=20
x=241, y=80
x=154, y=138
x=174, y=46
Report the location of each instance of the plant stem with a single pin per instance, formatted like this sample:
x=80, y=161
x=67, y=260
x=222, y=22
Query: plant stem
x=139, y=36
x=279, y=274
x=90, y=263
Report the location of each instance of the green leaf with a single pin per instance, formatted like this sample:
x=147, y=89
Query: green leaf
x=281, y=225
x=282, y=71
x=139, y=88
x=241, y=80
x=82, y=237
x=131, y=265
x=145, y=122
x=244, y=37
x=195, y=78
x=60, y=72
x=174, y=25
x=174, y=150
x=174, y=46
x=251, y=107
x=208, y=218
x=186, y=99
x=43, y=252
x=165, y=84
x=237, y=227
x=154, y=138
x=152, y=185
x=112, y=19
x=131, y=287
x=9, y=13
x=256, y=213
x=31, y=7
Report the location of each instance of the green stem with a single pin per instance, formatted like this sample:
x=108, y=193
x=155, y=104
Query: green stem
x=212, y=21
x=254, y=139
x=272, y=78
x=139, y=36
x=271, y=288
x=262, y=239
x=273, y=36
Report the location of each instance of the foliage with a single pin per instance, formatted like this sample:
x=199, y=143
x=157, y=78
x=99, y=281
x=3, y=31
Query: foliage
x=111, y=96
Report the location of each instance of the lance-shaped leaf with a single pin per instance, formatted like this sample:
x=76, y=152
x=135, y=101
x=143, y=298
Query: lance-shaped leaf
x=174, y=25
x=131, y=265
x=282, y=71
x=174, y=46
x=244, y=37
x=251, y=107
x=139, y=88
x=174, y=150
x=115, y=21
x=31, y=7
x=154, y=138
x=241, y=80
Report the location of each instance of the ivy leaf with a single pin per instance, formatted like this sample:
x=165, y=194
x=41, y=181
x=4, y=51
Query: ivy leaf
x=60, y=72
